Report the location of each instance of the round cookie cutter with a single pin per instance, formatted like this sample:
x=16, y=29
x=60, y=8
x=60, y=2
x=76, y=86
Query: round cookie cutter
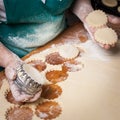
x=28, y=79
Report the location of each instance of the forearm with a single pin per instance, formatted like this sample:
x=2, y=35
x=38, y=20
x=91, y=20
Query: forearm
x=5, y=55
x=82, y=8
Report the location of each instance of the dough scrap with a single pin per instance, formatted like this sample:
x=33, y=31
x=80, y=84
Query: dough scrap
x=68, y=51
x=110, y=3
x=106, y=36
x=97, y=18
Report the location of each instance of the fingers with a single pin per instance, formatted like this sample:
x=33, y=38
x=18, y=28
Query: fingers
x=22, y=96
x=18, y=94
x=32, y=98
x=106, y=46
x=113, y=19
x=10, y=73
x=13, y=64
x=35, y=97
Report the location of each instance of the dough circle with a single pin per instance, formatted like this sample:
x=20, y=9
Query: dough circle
x=106, y=36
x=68, y=51
x=96, y=18
x=110, y=3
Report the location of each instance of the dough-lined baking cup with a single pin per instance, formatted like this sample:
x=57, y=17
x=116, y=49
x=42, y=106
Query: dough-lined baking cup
x=72, y=66
x=54, y=59
x=9, y=97
x=38, y=64
x=19, y=113
x=28, y=79
x=51, y=91
x=96, y=19
x=110, y=3
x=56, y=76
x=48, y=110
x=106, y=36
x=68, y=51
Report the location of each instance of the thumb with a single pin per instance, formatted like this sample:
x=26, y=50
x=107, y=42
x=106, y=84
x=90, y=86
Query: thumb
x=10, y=73
x=113, y=19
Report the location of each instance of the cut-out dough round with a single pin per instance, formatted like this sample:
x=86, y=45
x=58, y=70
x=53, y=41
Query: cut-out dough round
x=96, y=18
x=106, y=36
x=118, y=9
x=68, y=51
x=110, y=3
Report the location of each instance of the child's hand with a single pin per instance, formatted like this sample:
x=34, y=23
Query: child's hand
x=82, y=8
x=114, y=22
x=10, y=72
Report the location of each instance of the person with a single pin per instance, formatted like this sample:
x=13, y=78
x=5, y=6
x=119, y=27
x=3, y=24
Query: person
x=28, y=24
x=83, y=7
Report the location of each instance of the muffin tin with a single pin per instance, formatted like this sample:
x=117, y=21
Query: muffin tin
x=108, y=6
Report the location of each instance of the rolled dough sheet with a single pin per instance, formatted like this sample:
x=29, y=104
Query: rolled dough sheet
x=93, y=93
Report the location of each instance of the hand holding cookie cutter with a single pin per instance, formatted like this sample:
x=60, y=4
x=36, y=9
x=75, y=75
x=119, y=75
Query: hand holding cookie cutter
x=28, y=79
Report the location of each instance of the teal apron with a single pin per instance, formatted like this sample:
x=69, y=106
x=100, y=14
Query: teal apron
x=31, y=23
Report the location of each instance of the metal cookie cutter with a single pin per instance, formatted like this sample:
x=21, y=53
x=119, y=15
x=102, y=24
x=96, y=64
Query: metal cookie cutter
x=25, y=82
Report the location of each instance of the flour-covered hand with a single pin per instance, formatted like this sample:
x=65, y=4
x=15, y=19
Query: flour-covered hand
x=11, y=73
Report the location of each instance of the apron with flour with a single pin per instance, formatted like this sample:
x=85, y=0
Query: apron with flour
x=32, y=23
